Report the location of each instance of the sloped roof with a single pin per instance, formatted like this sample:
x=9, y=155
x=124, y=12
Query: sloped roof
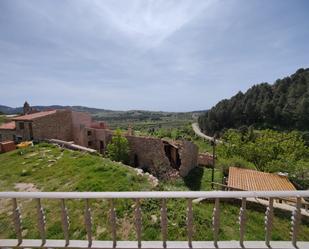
x=33, y=116
x=8, y=126
x=253, y=180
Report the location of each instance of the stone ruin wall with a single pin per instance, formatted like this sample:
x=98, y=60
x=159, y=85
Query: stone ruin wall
x=205, y=159
x=188, y=153
x=148, y=153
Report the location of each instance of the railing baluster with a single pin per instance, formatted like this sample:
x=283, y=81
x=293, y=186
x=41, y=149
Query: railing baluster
x=88, y=222
x=17, y=221
x=41, y=221
x=113, y=221
x=138, y=222
x=164, y=222
x=65, y=222
x=269, y=215
x=216, y=221
x=296, y=219
x=242, y=221
x=190, y=222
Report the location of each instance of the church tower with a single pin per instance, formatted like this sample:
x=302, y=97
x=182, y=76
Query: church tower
x=26, y=108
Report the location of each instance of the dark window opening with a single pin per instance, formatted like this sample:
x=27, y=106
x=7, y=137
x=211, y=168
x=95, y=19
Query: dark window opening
x=89, y=133
x=21, y=126
x=102, y=147
x=172, y=154
x=89, y=143
x=0, y=137
x=30, y=131
x=136, y=161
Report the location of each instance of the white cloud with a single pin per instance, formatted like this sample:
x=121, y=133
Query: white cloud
x=150, y=22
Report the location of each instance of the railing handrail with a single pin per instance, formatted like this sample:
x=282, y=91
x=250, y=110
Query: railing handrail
x=156, y=194
x=66, y=242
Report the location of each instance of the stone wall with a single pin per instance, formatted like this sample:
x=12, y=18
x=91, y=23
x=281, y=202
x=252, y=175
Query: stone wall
x=58, y=126
x=188, y=154
x=154, y=155
x=23, y=130
x=205, y=159
x=80, y=120
x=148, y=153
x=97, y=138
x=7, y=135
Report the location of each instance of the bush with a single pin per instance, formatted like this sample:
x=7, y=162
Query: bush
x=225, y=163
x=118, y=148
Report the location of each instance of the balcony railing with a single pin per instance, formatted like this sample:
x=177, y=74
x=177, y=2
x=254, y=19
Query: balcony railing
x=216, y=196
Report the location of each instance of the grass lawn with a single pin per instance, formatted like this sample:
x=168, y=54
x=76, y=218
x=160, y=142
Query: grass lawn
x=2, y=119
x=48, y=168
x=203, y=145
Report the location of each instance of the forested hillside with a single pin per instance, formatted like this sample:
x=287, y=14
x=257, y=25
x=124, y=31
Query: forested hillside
x=282, y=106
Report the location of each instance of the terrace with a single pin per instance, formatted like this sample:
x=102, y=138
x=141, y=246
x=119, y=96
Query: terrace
x=137, y=197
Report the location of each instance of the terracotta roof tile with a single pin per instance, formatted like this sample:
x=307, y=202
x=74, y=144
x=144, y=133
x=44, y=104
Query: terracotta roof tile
x=253, y=180
x=30, y=117
x=8, y=126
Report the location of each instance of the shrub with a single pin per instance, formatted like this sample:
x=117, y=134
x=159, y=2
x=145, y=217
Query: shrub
x=225, y=163
x=118, y=148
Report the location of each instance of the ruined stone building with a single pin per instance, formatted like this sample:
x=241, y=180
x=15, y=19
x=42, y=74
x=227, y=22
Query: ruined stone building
x=157, y=156
x=151, y=154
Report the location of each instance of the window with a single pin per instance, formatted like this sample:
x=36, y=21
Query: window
x=21, y=126
x=89, y=143
x=89, y=133
x=0, y=137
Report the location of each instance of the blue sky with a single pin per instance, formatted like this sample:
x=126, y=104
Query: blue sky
x=156, y=55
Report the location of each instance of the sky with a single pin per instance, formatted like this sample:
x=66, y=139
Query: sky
x=169, y=55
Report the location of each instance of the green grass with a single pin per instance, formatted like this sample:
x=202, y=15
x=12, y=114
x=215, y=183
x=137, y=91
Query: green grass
x=2, y=119
x=203, y=145
x=50, y=168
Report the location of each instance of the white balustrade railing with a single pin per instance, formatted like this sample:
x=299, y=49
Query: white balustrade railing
x=44, y=242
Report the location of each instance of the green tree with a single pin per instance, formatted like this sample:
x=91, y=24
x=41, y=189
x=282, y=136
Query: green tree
x=118, y=148
x=268, y=150
x=281, y=106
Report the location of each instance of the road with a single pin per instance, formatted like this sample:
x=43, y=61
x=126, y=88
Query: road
x=199, y=133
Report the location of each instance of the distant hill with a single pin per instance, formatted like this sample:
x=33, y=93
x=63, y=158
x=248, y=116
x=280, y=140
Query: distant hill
x=17, y=110
x=283, y=106
x=140, y=118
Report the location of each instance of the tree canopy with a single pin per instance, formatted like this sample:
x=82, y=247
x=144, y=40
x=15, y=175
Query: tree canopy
x=268, y=150
x=282, y=106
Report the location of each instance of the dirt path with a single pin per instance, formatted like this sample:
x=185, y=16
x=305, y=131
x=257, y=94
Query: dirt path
x=199, y=133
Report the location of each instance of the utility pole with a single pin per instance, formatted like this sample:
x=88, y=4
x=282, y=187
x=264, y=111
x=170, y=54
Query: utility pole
x=213, y=143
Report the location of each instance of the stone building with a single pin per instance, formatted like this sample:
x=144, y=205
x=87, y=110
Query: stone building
x=157, y=156
x=7, y=132
x=58, y=124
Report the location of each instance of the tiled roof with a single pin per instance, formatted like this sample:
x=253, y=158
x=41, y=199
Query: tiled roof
x=30, y=117
x=253, y=180
x=8, y=126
